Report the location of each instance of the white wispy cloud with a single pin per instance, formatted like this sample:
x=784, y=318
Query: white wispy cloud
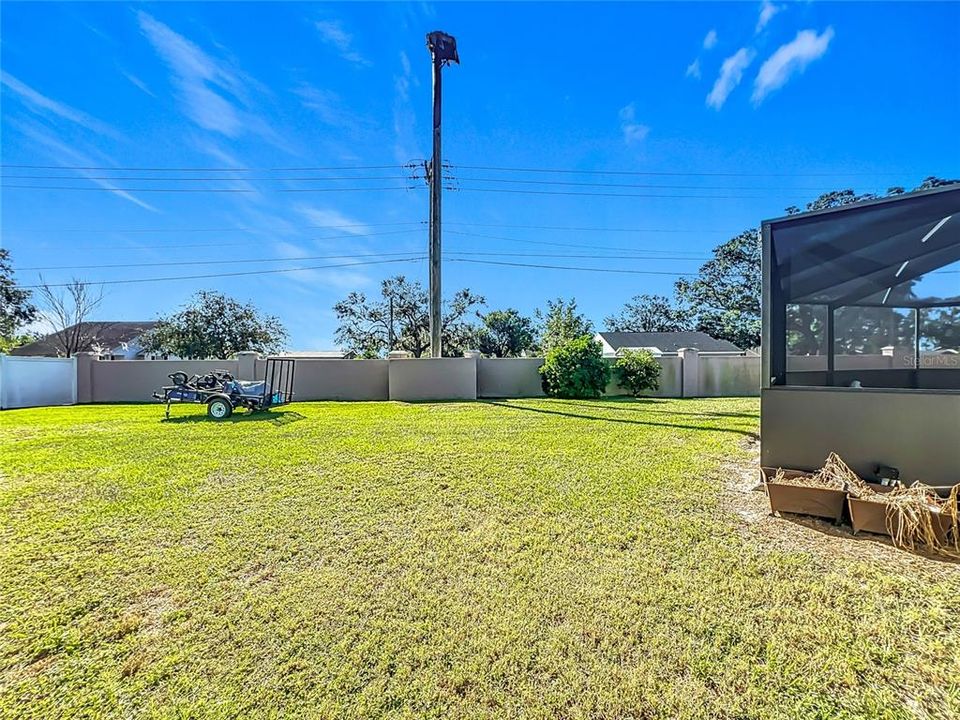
x=693, y=69
x=633, y=132
x=333, y=34
x=406, y=146
x=710, y=40
x=330, y=108
x=68, y=155
x=333, y=219
x=767, y=11
x=790, y=59
x=201, y=80
x=40, y=104
x=731, y=73
x=137, y=83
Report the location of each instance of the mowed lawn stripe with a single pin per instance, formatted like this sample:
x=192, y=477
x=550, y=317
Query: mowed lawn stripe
x=521, y=558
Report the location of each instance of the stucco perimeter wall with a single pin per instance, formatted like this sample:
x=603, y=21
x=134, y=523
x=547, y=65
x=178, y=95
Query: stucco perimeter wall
x=135, y=380
x=509, y=377
x=671, y=379
x=433, y=379
x=729, y=375
x=915, y=431
x=316, y=379
x=468, y=378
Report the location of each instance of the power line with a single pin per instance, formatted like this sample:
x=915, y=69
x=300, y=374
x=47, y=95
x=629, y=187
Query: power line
x=566, y=267
x=512, y=181
x=640, y=185
x=238, y=244
x=584, y=229
x=417, y=163
x=133, y=168
x=205, y=179
x=613, y=195
x=131, y=281
x=220, y=229
x=220, y=261
x=199, y=190
x=587, y=256
x=590, y=246
x=569, y=171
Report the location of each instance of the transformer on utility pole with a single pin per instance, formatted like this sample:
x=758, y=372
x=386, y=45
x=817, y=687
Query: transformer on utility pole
x=443, y=51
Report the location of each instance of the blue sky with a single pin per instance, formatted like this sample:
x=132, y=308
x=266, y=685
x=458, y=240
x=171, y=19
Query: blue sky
x=740, y=109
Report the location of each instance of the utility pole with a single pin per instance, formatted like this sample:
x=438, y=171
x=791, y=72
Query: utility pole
x=390, y=327
x=443, y=51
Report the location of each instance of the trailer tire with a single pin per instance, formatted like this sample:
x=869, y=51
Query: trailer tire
x=219, y=409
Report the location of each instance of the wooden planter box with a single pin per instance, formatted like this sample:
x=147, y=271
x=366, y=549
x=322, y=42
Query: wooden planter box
x=805, y=500
x=871, y=517
x=868, y=516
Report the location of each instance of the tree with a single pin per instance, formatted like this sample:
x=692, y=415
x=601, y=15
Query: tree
x=637, y=371
x=16, y=310
x=68, y=308
x=725, y=295
x=940, y=328
x=650, y=313
x=505, y=333
x=575, y=369
x=457, y=333
x=934, y=182
x=213, y=325
x=561, y=323
x=839, y=198
x=399, y=320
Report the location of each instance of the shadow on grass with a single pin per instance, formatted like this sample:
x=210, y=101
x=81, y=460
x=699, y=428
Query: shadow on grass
x=745, y=433
x=845, y=531
x=274, y=418
x=644, y=401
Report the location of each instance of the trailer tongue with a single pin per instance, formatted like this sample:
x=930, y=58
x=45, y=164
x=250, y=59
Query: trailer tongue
x=222, y=393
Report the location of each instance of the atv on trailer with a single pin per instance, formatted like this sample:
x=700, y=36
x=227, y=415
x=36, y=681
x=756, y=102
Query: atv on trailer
x=222, y=393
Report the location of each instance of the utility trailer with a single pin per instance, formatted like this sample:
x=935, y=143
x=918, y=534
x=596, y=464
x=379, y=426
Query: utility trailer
x=222, y=393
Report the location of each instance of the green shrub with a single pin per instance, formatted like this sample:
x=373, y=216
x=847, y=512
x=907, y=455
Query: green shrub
x=575, y=369
x=637, y=371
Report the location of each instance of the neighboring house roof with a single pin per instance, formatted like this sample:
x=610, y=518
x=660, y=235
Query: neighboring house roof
x=106, y=334
x=321, y=354
x=667, y=341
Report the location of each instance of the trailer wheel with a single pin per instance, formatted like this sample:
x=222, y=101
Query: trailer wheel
x=219, y=409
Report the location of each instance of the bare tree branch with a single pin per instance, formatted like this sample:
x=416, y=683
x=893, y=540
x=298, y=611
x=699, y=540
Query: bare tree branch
x=68, y=310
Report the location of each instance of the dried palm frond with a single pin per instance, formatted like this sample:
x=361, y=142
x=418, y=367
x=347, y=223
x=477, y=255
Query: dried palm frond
x=918, y=516
x=915, y=515
x=838, y=473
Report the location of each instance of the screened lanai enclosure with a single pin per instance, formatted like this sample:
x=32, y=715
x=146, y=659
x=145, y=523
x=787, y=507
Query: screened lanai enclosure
x=861, y=337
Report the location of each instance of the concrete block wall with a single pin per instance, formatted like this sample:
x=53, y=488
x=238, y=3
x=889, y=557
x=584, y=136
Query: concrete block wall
x=316, y=379
x=728, y=375
x=433, y=379
x=686, y=374
x=135, y=380
x=509, y=377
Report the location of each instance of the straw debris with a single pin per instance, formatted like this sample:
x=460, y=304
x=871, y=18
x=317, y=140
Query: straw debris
x=915, y=515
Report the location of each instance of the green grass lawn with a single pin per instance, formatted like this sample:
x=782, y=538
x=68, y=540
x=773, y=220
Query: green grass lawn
x=525, y=558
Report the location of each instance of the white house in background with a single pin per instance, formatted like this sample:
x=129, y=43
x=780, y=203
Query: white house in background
x=110, y=340
x=660, y=343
